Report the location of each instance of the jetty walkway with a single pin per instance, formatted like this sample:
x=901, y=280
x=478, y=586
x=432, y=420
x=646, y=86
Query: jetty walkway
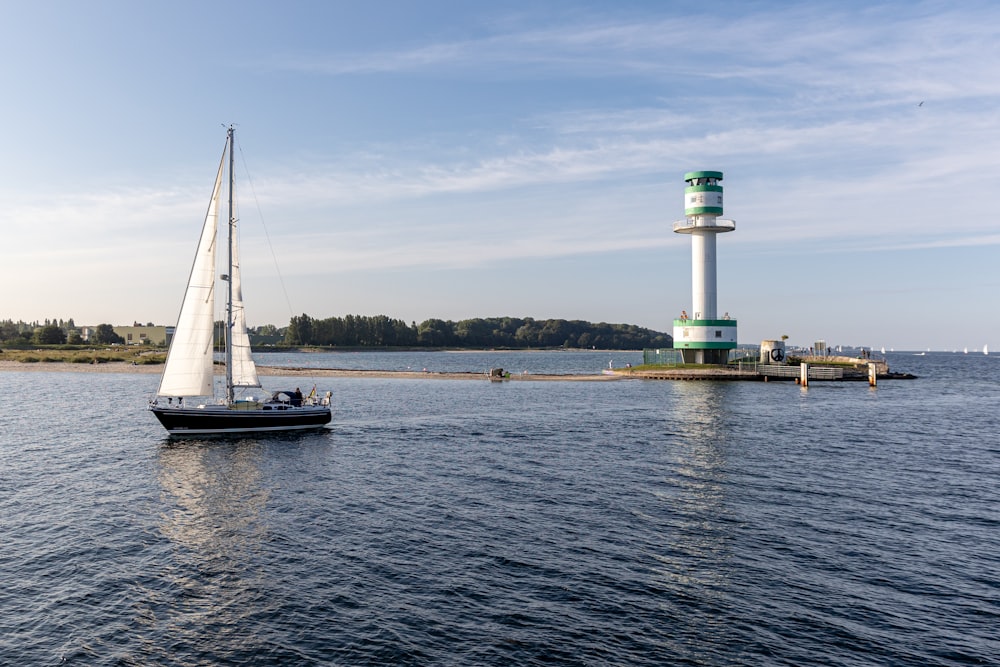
x=818, y=368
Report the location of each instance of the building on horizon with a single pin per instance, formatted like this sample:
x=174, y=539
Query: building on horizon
x=136, y=334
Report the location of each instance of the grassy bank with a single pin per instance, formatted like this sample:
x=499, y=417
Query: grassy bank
x=85, y=355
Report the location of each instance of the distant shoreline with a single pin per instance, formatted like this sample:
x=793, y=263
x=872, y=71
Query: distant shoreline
x=298, y=371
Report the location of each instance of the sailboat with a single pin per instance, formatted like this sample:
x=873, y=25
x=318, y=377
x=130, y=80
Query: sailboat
x=185, y=402
x=986, y=350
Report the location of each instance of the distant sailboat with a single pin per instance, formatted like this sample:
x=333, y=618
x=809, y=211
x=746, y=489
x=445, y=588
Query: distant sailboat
x=986, y=349
x=966, y=351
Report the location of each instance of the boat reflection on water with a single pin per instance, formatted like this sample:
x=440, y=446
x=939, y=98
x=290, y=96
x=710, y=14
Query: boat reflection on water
x=215, y=498
x=218, y=493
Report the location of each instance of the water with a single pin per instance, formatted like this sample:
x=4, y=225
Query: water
x=567, y=362
x=475, y=523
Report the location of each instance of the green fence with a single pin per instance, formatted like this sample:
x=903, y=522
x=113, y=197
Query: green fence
x=663, y=356
x=666, y=356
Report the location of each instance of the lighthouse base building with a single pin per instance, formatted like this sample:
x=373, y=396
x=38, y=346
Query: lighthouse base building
x=705, y=341
x=704, y=337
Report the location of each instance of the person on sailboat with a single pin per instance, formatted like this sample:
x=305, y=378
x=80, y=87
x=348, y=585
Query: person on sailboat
x=297, y=397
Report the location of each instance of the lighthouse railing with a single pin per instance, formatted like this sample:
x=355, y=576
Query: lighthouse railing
x=717, y=225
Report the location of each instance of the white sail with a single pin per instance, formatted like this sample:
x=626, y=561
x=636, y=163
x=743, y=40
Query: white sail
x=188, y=370
x=244, y=371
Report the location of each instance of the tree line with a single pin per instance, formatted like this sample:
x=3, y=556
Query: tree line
x=54, y=332
x=383, y=331
x=509, y=332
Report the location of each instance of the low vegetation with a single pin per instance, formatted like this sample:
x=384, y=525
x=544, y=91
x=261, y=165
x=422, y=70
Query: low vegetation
x=66, y=354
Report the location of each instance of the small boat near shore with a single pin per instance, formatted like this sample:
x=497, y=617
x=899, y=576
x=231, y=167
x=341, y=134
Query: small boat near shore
x=185, y=402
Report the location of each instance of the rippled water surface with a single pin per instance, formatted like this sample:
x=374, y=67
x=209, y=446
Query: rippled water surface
x=469, y=523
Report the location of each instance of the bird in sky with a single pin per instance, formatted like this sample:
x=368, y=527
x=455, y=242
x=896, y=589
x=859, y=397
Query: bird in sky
x=921, y=104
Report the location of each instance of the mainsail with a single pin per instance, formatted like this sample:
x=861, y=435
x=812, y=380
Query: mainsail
x=188, y=370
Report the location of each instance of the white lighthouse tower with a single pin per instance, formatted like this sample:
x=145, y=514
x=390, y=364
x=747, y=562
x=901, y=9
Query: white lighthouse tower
x=702, y=336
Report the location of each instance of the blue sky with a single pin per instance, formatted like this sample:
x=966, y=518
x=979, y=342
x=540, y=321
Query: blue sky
x=467, y=159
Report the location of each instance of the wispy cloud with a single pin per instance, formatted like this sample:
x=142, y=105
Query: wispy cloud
x=895, y=50
x=874, y=171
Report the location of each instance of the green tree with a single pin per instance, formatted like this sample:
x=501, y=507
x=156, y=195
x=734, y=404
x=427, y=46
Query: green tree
x=299, y=331
x=50, y=334
x=527, y=334
x=434, y=333
x=105, y=334
x=553, y=333
x=9, y=330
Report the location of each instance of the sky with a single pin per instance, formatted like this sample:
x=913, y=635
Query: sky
x=454, y=160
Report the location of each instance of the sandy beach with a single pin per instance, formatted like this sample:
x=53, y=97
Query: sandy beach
x=156, y=369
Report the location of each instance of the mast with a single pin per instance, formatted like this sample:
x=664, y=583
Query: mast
x=229, y=278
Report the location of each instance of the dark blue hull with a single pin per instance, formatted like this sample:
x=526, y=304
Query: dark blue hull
x=218, y=419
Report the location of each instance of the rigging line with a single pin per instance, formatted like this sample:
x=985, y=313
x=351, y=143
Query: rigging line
x=270, y=246
x=267, y=235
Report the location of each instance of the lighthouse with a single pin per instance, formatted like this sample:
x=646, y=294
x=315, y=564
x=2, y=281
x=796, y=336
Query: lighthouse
x=702, y=336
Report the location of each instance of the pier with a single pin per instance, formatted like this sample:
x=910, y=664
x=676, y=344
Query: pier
x=820, y=368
